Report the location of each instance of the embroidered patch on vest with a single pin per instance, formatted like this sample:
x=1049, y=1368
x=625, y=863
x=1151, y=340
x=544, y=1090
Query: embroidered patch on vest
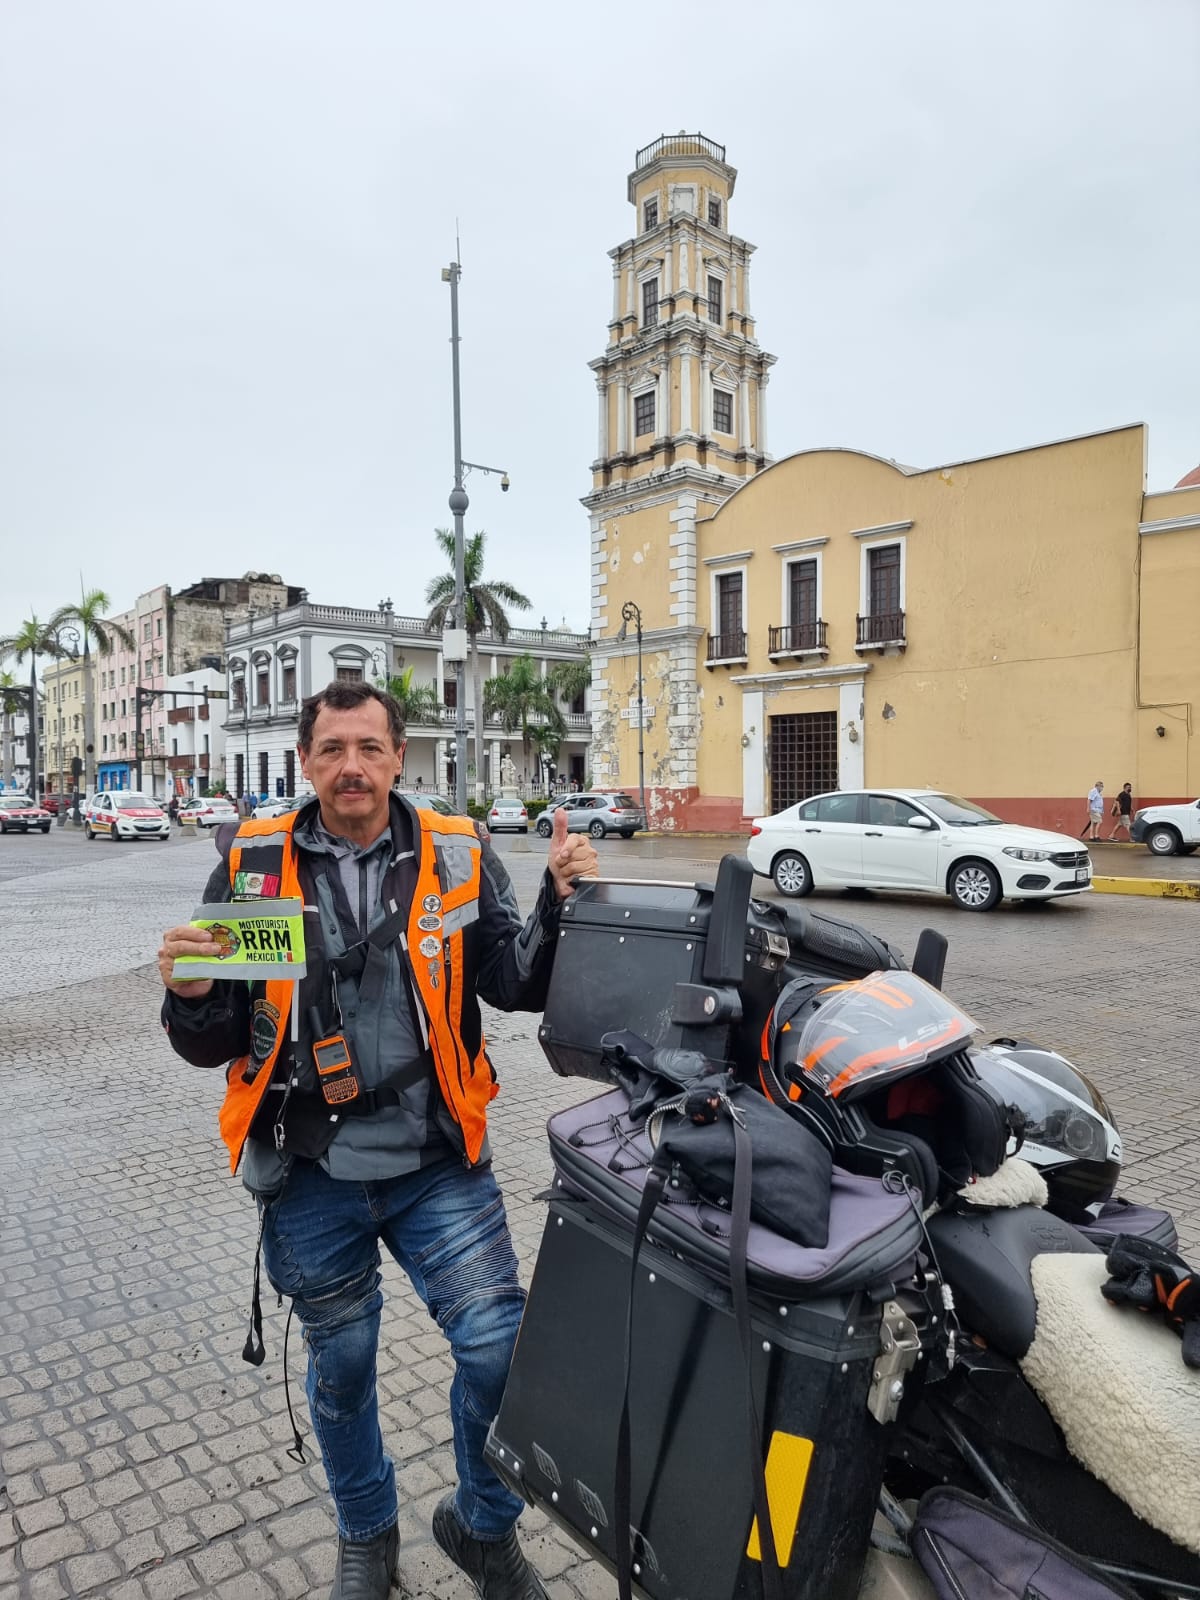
x=429, y=924
x=264, y=1029
x=430, y=946
x=256, y=885
x=431, y=902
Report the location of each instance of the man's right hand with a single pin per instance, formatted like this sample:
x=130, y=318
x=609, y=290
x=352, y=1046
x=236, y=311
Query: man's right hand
x=186, y=941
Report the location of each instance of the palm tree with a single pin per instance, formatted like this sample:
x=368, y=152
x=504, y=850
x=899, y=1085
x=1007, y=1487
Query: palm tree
x=88, y=617
x=485, y=606
x=418, y=702
x=570, y=680
x=524, y=701
x=33, y=638
x=9, y=704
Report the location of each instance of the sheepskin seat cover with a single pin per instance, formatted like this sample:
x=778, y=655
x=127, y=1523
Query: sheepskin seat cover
x=1014, y=1183
x=1114, y=1381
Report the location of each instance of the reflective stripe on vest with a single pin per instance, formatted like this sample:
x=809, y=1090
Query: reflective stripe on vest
x=448, y=875
x=448, y=881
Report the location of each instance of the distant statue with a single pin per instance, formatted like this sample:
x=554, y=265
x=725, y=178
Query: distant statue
x=508, y=772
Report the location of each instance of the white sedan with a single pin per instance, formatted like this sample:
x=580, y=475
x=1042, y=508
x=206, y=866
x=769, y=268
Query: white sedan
x=208, y=812
x=914, y=839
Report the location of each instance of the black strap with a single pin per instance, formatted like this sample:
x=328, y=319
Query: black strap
x=656, y=1177
x=739, y=1233
x=254, y=1351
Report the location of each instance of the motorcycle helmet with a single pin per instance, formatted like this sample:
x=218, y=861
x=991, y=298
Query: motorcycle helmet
x=1070, y=1134
x=879, y=1070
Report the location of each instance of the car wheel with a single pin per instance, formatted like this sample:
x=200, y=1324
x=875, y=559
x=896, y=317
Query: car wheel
x=1187, y=849
x=525, y=829
x=792, y=875
x=1163, y=841
x=545, y=828
x=114, y=835
x=628, y=833
x=45, y=827
x=974, y=886
x=88, y=831
x=597, y=829
x=3, y=827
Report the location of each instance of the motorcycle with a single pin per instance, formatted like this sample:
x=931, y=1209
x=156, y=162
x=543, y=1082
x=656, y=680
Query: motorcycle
x=986, y=1404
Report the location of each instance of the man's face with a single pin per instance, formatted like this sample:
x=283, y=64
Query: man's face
x=352, y=764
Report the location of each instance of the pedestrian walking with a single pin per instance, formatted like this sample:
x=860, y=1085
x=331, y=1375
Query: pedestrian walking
x=1095, y=811
x=403, y=898
x=1122, y=810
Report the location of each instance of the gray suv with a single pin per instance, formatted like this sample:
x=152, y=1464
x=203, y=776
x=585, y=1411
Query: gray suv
x=597, y=814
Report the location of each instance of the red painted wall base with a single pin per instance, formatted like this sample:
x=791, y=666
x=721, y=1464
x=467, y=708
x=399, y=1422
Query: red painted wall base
x=689, y=811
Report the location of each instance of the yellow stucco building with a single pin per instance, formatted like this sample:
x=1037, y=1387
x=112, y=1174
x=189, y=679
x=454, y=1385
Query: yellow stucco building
x=1010, y=628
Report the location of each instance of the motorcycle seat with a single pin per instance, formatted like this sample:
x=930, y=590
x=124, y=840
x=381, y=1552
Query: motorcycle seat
x=987, y=1256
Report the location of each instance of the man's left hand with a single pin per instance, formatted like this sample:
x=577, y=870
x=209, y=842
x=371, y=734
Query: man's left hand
x=572, y=855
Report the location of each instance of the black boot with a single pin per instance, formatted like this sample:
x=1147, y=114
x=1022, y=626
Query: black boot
x=497, y=1567
x=366, y=1569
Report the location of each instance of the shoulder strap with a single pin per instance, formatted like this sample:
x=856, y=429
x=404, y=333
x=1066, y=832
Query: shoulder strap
x=739, y=1232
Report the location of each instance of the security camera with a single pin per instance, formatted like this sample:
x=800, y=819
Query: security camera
x=504, y=483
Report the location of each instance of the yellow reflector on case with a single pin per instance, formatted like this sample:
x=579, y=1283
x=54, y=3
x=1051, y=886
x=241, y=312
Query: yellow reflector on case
x=788, y=1461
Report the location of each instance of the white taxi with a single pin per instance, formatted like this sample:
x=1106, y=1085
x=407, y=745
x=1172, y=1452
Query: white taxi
x=118, y=814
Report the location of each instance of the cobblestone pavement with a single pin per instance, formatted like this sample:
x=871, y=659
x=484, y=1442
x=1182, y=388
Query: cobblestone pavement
x=140, y=1458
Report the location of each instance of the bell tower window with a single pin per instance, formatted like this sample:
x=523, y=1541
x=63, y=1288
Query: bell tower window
x=714, y=299
x=643, y=412
x=650, y=303
x=714, y=213
x=649, y=215
x=722, y=411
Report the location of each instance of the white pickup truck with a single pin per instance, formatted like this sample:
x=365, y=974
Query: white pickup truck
x=1168, y=830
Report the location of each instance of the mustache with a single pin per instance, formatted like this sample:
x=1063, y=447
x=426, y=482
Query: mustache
x=352, y=786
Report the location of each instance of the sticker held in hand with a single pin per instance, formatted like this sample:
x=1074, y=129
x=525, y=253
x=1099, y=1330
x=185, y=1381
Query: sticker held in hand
x=260, y=940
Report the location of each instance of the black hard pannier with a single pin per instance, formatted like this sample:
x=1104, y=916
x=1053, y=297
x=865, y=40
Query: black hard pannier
x=840, y=1340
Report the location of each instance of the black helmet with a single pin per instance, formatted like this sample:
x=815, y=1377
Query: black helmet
x=1070, y=1134
x=879, y=1069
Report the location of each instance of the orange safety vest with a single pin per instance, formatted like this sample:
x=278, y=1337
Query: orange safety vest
x=444, y=904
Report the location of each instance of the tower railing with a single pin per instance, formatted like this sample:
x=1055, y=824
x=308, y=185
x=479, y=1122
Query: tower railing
x=679, y=144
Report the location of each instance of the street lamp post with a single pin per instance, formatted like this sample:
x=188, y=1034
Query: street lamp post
x=632, y=612
x=459, y=502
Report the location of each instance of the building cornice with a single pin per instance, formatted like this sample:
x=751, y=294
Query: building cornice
x=728, y=560
x=1169, y=524
x=798, y=544
x=881, y=531
x=802, y=675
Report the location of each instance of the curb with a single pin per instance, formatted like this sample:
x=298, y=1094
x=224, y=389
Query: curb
x=1161, y=888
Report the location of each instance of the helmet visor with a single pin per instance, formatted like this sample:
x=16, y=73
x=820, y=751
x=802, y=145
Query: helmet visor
x=883, y=1026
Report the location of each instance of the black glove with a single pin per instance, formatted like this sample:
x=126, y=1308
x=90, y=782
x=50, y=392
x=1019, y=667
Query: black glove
x=1157, y=1281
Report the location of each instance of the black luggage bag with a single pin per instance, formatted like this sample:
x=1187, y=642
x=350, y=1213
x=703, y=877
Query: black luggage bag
x=841, y=1340
x=687, y=965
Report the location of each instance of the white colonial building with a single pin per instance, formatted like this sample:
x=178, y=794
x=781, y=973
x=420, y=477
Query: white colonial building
x=195, y=732
x=276, y=658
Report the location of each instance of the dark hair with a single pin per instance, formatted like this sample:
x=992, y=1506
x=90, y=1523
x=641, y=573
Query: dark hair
x=340, y=696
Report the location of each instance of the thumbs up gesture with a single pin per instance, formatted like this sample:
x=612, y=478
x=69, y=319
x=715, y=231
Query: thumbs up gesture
x=572, y=855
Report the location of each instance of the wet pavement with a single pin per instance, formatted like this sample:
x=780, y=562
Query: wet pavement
x=140, y=1458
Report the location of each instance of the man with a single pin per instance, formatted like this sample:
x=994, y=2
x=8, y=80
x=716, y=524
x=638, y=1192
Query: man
x=1122, y=810
x=408, y=920
x=1095, y=806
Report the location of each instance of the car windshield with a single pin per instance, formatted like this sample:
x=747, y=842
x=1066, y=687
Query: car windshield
x=958, y=813
x=14, y=805
x=138, y=802
x=622, y=802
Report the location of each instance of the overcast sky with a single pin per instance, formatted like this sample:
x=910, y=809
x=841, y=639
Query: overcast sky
x=224, y=338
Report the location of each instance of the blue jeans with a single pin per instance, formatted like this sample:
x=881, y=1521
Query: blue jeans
x=446, y=1227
